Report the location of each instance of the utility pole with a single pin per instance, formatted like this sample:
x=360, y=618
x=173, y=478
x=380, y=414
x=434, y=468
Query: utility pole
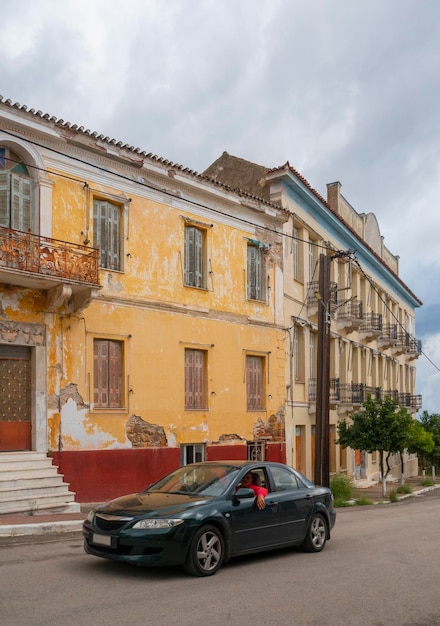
x=322, y=460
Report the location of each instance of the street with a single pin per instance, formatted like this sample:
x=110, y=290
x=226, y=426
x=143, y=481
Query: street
x=380, y=568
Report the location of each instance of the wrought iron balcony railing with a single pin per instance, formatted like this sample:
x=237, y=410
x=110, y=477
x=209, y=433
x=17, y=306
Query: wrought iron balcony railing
x=313, y=290
x=25, y=252
x=389, y=333
x=351, y=311
x=357, y=393
x=371, y=323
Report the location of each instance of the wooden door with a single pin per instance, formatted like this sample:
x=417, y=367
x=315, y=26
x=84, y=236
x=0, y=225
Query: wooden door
x=15, y=398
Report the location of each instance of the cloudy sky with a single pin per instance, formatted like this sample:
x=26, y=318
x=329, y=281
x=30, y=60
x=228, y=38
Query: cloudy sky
x=346, y=90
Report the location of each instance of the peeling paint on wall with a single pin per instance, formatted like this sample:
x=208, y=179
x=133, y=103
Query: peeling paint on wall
x=145, y=435
x=272, y=428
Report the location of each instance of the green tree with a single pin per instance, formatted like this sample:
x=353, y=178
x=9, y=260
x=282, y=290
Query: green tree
x=380, y=426
x=431, y=423
x=420, y=441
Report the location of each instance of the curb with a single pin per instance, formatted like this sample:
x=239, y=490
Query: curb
x=17, y=530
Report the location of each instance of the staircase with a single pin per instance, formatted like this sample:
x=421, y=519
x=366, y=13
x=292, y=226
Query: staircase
x=29, y=483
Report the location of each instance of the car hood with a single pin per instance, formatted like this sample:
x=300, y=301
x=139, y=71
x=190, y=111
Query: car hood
x=161, y=504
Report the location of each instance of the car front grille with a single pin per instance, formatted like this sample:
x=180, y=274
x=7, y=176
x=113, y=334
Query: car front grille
x=110, y=523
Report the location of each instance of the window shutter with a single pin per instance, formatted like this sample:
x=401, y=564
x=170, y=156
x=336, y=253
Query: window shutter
x=194, y=379
x=107, y=373
x=100, y=373
x=113, y=237
x=21, y=203
x=255, y=273
x=114, y=379
x=99, y=239
x=4, y=199
x=198, y=260
x=194, y=269
x=254, y=383
x=189, y=256
x=106, y=233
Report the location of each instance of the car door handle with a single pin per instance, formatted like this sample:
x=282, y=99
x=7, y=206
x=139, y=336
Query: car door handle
x=272, y=503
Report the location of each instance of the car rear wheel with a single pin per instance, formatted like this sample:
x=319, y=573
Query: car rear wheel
x=316, y=536
x=206, y=552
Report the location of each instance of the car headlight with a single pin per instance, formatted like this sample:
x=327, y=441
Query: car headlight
x=157, y=523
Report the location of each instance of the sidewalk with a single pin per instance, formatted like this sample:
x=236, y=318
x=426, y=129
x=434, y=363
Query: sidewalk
x=15, y=525
x=19, y=525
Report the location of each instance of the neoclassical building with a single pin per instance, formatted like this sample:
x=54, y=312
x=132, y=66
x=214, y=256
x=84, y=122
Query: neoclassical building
x=371, y=312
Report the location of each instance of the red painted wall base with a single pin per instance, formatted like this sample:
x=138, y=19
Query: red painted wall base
x=100, y=475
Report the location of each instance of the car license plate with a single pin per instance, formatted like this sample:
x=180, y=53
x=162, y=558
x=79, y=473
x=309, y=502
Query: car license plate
x=102, y=540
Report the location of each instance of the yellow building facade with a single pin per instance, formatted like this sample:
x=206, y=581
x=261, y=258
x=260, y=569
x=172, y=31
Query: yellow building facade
x=142, y=321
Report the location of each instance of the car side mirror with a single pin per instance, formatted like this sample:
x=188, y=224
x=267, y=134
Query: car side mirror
x=243, y=492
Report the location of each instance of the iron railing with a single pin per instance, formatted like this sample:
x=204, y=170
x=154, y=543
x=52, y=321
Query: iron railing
x=357, y=393
x=26, y=252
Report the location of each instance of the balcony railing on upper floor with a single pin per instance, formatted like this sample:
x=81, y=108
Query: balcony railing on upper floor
x=313, y=290
x=388, y=335
x=26, y=253
x=357, y=393
x=371, y=324
x=350, y=314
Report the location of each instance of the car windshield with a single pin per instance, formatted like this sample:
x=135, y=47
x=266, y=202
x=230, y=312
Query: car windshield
x=201, y=480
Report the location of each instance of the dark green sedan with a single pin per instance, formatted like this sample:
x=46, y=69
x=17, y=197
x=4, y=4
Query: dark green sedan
x=203, y=514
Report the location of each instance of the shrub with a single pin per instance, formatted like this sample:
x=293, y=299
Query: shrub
x=341, y=488
x=427, y=482
x=393, y=496
x=363, y=501
x=404, y=489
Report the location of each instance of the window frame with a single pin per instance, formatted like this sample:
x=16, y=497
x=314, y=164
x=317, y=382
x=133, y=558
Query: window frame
x=255, y=382
x=256, y=272
x=194, y=448
x=17, y=189
x=195, y=255
x=195, y=379
x=107, y=369
x=107, y=232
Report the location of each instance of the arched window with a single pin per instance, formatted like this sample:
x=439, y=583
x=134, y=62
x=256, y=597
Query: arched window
x=16, y=192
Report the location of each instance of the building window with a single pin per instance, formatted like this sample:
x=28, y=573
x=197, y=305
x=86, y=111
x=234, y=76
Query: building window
x=298, y=353
x=195, y=274
x=255, y=383
x=107, y=233
x=107, y=374
x=16, y=192
x=255, y=273
x=192, y=453
x=312, y=356
x=195, y=391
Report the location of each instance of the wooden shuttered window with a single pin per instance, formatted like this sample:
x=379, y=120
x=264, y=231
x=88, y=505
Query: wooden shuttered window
x=107, y=373
x=255, y=273
x=254, y=382
x=195, y=392
x=16, y=206
x=107, y=233
x=194, y=257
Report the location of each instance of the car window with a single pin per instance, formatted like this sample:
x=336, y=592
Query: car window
x=197, y=480
x=284, y=479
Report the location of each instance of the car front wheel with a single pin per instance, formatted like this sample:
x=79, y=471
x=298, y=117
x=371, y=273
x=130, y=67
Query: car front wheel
x=206, y=552
x=316, y=536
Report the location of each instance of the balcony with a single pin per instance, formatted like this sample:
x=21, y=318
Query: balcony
x=63, y=270
x=371, y=326
x=334, y=391
x=388, y=337
x=350, y=315
x=411, y=402
x=313, y=298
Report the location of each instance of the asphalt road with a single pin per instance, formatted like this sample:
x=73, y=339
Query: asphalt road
x=382, y=567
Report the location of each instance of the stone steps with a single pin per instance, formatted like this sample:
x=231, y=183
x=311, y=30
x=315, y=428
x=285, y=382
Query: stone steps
x=29, y=483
